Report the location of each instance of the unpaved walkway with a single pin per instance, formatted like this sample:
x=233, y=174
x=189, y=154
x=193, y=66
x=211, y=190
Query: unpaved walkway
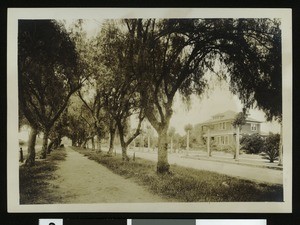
x=81, y=180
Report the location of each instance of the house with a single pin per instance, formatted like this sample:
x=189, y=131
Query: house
x=221, y=131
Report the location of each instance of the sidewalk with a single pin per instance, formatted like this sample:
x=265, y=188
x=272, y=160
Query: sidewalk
x=243, y=160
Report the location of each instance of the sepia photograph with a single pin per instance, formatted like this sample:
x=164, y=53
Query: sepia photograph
x=149, y=110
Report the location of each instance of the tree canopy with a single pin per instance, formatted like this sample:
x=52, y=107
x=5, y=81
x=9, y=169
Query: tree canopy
x=48, y=75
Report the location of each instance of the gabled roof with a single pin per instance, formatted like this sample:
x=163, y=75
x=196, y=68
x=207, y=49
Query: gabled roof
x=227, y=115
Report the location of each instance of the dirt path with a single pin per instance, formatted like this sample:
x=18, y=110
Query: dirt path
x=81, y=180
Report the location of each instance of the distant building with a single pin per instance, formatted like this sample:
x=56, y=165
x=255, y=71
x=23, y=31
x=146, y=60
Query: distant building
x=221, y=131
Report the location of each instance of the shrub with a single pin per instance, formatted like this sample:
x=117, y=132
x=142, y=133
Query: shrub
x=21, y=142
x=271, y=147
x=252, y=144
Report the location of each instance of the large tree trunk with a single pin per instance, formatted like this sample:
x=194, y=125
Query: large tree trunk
x=45, y=145
x=162, y=162
x=30, y=161
x=73, y=141
x=161, y=128
x=84, y=144
x=51, y=146
x=124, y=153
x=99, y=144
x=112, y=133
x=123, y=143
x=93, y=143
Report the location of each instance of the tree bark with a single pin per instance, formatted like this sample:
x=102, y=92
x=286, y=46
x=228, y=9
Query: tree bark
x=111, y=141
x=73, y=142
x=161, y=128
x=51, y=144
x=99, y=144
x=93, y=143
x=45, y=144
x=30, y=161
x=122, y=141
x=84, y=144
x=162, y=161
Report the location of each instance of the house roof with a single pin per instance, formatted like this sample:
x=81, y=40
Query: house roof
x=227, y=115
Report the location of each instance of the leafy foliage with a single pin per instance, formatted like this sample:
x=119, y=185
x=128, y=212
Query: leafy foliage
x=271, y=148
x=47, y=71
x=188, y=127
x=239, y=120
x=253, y=144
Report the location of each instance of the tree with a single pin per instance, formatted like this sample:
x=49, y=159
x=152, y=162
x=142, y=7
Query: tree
x=238, y=122
x=160, y=64
x=93, y=115
x=119, y=89
x=240, y=119
x=172, y=55
x=48, y=75
x=58, y=131
x=271, y=147
x=76, y=129
x=253, y=144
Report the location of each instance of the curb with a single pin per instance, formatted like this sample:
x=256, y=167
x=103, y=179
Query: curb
x=235, y=162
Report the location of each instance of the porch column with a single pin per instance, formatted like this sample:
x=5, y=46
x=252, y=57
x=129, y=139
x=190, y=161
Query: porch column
x=208, y=142
x=237, y=150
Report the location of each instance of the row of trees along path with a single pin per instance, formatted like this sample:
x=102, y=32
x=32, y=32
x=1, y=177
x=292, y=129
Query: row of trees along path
x=71, y=85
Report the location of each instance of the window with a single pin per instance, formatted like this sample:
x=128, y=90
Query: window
x=253, y=127
x=219, y=140
x=222, y=126
x=226, y=140
x=222, y=140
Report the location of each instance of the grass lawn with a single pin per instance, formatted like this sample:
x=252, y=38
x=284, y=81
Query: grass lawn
x=186, y=184
x=34, y=181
